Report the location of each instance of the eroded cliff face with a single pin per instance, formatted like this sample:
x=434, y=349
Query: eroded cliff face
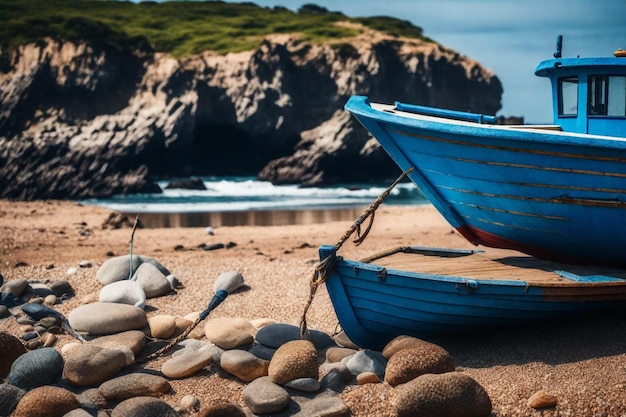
x=76, y=122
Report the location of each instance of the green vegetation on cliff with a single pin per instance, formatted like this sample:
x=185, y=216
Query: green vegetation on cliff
x=178, y=27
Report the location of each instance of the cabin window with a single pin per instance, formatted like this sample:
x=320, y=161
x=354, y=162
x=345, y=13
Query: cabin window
x=607, y=96
x=568, y=96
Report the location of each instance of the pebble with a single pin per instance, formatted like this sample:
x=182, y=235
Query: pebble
x=61, y=288
x=152, y=280
x=162, y=326
x=39, y=312
x=107, y=318
x=337, y=354
x=144, y=407
x=134, y=385
x=324, y=406
x=41, y=290
x=46, y=401
x=89, y=365
x=134, y=339
x=367, y=378
x=7, y=299
x=123, y=292
x=260, y=323
x=30, y=335
x=117, y=268
x=191, y=403
x=542, y=399
x=276, y=335
x=294, y=359
x=335, y=380
x=448, y=394
x=409, y=363
x=15, y=287
x=92, y=397
x=48, y=339
x=243, y=364
x=263, y=396
x=222, y=410
x=9, y=397
x=4, y=311
x=188, y=363
x=304, y=384
x=36, y=368
x=11, y=349
x=229, y=333
x=50, y=300
x=78, y=412
x=229, y=281
x=366, y=361
x=262, y=351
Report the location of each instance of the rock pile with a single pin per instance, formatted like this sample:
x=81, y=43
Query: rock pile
x=104, y=376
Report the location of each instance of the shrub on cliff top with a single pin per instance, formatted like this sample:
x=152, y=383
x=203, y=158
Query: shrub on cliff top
x=179, y=27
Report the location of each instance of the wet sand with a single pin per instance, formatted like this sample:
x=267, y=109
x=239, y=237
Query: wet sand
x=246, y=218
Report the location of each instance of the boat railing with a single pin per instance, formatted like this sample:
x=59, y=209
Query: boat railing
x=451, y=114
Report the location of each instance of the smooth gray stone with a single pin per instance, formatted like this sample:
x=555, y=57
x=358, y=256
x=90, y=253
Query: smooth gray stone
x=134, y=385
x=61, y=287
x=152, y=280
x=333, y=380
x=262, y=351
x=123, y=292
x=89, y=365
x=15, y=287
x=263, y=396
x=304, y=384
x=9, y=397
x=107, y=318
x=277, y=334
x=117, y=268
x=367, y=361
x=36, y=368
x=323, y=406
x=229, y=281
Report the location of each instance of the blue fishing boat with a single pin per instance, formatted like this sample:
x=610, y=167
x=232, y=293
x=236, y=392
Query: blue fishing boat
x=552, y=191
x=431, y=292
x=546, y=202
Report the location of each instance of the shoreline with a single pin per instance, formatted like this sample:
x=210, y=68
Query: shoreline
x=582, y=363
x=245, y=217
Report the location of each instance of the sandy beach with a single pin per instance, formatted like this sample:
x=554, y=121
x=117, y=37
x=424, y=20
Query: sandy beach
x=582, y=363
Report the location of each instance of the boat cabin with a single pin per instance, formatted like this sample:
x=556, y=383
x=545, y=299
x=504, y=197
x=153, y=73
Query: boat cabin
x=588, y=94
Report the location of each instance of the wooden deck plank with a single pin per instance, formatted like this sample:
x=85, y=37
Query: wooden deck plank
x=491, y=264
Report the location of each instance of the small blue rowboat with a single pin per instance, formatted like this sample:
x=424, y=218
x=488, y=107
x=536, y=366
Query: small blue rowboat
x=556, y=191
x=458, y=291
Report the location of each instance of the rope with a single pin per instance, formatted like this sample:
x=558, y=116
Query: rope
x=323, y=268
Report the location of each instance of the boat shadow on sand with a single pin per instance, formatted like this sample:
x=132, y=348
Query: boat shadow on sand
x=551, y=342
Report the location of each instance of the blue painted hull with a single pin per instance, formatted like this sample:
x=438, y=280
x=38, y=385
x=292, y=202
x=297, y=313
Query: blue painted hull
x=551, y=194
x=375, y=304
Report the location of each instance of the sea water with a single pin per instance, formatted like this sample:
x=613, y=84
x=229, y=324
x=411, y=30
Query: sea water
x=246, y=201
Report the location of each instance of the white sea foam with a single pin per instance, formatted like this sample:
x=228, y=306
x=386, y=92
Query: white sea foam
x=245, y=194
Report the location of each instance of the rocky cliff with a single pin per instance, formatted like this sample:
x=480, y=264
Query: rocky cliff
x=79, y=121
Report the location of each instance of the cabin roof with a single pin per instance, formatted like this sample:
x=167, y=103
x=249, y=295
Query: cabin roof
x=546, y=68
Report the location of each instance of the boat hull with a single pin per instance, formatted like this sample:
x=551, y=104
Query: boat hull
x=375, y=304
x=551, y=194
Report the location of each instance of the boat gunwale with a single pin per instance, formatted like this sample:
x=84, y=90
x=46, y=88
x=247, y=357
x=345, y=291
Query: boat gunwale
x=386, y=113
x=369, y=263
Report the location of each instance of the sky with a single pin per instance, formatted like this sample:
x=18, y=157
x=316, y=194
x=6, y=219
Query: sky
x=510, y=37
